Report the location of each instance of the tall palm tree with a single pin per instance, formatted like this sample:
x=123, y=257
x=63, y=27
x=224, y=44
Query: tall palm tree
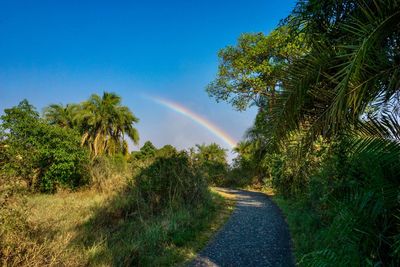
x=105, y=123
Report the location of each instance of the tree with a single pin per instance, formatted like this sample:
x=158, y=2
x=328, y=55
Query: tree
x=63, y=116
x=166, y=151
x=212, y=152
x=319, y=71
x=147, y=151
x=104, y=123
x=245, y=158
x=352, y=63
x=212, y=160
x=19, y=124
x=45, y=156
x=252, y=71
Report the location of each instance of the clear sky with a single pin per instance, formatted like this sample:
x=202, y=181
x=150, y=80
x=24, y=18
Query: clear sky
x=64, y=51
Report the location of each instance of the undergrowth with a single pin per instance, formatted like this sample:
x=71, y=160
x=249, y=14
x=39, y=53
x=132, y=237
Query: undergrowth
x=160, y=216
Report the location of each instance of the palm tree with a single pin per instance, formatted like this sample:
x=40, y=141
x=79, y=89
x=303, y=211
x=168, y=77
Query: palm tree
x=353, y=63
x=105, y=123
x=63, y=116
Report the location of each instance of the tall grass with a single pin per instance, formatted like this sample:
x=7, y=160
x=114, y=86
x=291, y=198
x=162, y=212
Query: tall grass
x=348, y=214
x=130, y=224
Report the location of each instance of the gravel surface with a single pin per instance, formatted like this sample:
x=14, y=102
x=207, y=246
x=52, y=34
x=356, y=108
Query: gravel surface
x=256, y=234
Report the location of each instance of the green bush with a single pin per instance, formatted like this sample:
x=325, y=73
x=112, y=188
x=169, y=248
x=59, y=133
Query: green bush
x=109, y=173
x=211, y=160
x=170, y=182
x=154, y=216
x=348, y=214
x=61, y=160
x=45, y=156
x=289, y=170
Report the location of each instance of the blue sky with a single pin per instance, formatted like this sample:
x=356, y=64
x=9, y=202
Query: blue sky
x=64, y=51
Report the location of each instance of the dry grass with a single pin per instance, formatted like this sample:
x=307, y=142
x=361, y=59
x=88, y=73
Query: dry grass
x=54, y=219
x=52, y=232
x=227, y=203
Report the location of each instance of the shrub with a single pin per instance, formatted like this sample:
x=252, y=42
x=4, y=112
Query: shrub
x=109, y=173
x=348, y=213
x=148, y=150
x=170, y=182
x=211, y=160
x=61, y=160
x=152, y=220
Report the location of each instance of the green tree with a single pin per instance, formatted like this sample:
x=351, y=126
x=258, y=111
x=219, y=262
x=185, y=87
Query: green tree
x=352, y=63
x=252, y=71
x=147, y=151
x=45, y=156
x=63, y=116
x=104, y=123
x=212, y=160
x=166, y=151
x=18, y=126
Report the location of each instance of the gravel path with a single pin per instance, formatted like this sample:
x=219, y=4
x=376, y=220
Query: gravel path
x=255, y=235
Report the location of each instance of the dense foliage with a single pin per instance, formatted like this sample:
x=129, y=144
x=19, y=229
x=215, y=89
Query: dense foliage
x=171, y=181
x=326, y=137
x=102, y=121
x=162, y=207
x=211, y=160
x=44, y=156
x=54, y=151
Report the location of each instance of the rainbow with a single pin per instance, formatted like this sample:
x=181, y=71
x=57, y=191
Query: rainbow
x=196, y=118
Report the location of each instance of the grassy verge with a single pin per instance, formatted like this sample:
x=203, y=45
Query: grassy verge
x=73, y=229
x=303, y=223
x=226, y=203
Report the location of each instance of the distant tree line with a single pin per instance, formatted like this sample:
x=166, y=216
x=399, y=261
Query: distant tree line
x=76, y=144
x=55, y=150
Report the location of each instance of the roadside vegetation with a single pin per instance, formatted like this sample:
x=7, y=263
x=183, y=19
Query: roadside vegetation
x=326, y=83
x=325, y=141
x=71, y=194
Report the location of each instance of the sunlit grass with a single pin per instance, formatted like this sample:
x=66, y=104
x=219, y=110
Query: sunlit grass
x=63, y=232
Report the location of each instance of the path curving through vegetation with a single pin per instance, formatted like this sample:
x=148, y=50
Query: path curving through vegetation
x=255, y=235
